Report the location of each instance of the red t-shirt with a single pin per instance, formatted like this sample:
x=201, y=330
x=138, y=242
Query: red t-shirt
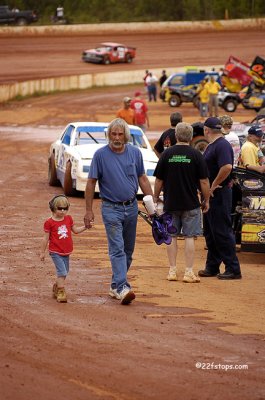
x=60, y=239
x=140, y=109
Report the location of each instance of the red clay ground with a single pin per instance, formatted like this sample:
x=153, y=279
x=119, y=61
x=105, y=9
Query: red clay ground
x=91, y=347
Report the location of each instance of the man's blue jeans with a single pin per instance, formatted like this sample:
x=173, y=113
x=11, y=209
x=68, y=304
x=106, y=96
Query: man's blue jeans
x=120, y=223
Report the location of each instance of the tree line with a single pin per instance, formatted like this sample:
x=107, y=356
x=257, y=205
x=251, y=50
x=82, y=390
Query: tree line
x=100, y=11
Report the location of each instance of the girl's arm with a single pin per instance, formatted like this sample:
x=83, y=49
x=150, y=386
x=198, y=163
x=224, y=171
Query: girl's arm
x=44, y=243
x=80, y=229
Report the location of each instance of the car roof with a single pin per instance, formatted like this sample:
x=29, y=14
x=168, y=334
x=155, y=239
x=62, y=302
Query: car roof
x=133, y=128
x=112, y=44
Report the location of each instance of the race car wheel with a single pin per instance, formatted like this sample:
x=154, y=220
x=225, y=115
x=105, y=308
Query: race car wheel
x=199, y=143
x=68, y=182
x=106, y=60
x=230, y=105
x=174, y=101
x=128, y=58
x=52, y=176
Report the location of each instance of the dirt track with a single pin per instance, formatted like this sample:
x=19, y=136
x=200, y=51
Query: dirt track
x=91, y=347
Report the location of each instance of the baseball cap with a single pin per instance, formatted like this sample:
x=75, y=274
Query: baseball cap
x=213, y=123
x=126, y=99
x=255, y=130
x=137, y=94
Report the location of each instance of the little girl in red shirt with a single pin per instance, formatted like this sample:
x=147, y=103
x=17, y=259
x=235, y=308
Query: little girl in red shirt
x=58, y=233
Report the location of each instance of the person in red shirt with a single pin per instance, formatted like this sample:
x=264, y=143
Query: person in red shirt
x=58, y=233
x=140, y=111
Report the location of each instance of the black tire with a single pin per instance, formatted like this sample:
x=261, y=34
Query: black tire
x=68, y=182
x=230, y=105
x=174, y=101
x=21, y=22
x=128, y=58
x=199, y=143
x=52, y=176
x=106, y=60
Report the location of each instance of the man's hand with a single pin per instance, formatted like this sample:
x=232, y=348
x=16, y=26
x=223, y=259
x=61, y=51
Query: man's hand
x=89, y=219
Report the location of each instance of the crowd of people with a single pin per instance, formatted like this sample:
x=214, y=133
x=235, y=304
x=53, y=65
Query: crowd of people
x=197, y=192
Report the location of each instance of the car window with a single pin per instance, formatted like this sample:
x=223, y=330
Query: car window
x=89, y=136
x=66, y=138
x=177, y=80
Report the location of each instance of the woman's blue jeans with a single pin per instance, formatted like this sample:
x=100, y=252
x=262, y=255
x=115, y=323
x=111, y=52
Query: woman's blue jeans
x=120, y=223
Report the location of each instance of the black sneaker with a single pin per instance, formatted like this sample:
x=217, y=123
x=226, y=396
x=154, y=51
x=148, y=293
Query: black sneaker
x=229, y=275
x=206, y=274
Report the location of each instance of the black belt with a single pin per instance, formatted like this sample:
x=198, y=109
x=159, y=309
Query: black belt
x=120, y=203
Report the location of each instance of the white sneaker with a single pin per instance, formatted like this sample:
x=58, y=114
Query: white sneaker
x=126, y=296
x=172, y=274
x=114, y=294
x=190, y=277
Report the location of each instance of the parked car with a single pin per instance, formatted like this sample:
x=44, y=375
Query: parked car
x=188, y=94
x=71, y=154
x=181, y=79
x=108, y=53
x=254, y=101
x=17, y=17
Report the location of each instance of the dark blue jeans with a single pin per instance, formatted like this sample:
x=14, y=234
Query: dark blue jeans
x=219, y=236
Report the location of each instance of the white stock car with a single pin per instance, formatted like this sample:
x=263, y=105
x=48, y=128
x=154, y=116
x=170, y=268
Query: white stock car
x=71, y=154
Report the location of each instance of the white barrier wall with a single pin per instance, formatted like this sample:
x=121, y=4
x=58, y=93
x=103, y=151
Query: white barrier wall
x=64, y=83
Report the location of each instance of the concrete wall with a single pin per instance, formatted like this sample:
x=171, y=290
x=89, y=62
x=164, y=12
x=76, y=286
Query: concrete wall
x=64, y=83
x=135, y=27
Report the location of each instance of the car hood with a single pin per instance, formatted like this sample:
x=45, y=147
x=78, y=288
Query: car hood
x=86, y=152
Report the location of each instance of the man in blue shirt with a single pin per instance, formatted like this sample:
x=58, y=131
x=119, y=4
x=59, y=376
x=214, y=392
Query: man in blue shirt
x=118, y=167
x=219, y=236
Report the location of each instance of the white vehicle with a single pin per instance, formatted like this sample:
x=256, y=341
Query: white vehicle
x=71, y=155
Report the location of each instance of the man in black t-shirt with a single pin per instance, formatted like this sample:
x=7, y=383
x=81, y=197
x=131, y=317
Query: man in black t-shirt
x=181, y=171
x=168, y=137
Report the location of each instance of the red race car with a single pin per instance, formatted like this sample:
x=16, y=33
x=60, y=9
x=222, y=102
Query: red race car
x=108, y=53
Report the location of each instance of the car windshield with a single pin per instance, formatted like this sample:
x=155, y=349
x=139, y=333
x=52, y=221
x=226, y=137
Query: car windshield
x=103, y=48
x=97, y=135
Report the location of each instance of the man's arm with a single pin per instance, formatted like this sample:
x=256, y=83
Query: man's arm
x=157, y=189
x=223, y=173
x=89, y=196
x=257, y=168
x=145, y=185
x=205, y=191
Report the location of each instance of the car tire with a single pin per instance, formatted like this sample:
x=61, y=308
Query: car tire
x=68, y=182
x=230, y=105
x=52, y=176
x=199, y=143
x=174, y=101
x=128, y=58
x=106, y=60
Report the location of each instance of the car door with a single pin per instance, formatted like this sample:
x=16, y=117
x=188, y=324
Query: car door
x=61, y=158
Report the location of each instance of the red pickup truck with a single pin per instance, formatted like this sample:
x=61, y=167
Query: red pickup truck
x=108, y=53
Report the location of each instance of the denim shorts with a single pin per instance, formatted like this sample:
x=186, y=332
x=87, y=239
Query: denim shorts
x=61, y=264
x=187, y=223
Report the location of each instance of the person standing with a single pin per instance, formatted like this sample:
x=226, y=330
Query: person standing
x=213, y=88
x=250, y=151
x=118, y=187
x=126, y=113
x=180, y=172
x=168, y=137
x=140, y=111
x=231, y=137
x=203, y=95
x=151, y=82
x=58, y=230
x=217, y=222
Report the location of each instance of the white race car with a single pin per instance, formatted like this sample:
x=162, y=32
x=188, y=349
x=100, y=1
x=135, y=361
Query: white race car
x=71, y=155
